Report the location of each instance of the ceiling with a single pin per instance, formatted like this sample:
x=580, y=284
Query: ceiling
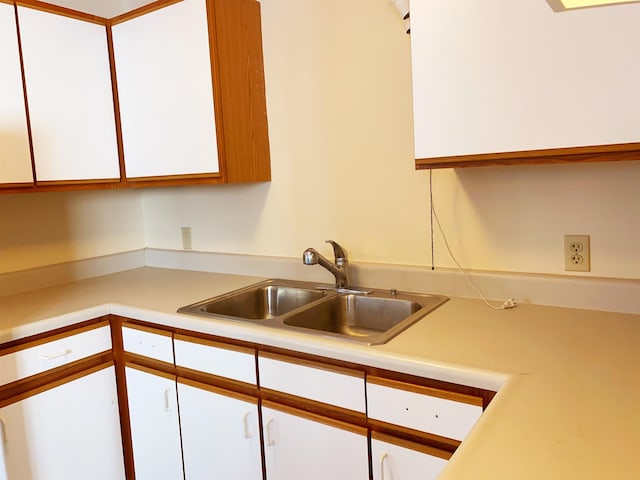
x=101, y=8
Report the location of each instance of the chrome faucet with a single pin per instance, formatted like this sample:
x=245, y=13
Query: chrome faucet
x=339, y=269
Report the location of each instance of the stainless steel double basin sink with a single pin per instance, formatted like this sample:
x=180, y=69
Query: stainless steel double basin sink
x=366, y=316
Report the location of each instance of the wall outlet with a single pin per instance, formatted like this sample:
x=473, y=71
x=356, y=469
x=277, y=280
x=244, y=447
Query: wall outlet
x=577, y=253
x=186, y=238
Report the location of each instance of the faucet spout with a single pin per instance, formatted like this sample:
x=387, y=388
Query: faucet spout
x=339, y=268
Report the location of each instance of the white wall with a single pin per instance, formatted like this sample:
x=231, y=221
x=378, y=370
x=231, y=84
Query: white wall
x=339, y=101
x=340, y=118
x=339, y=106
x=47, y=228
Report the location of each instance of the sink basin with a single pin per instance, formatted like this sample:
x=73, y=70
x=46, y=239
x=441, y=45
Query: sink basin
x=355, y=315
x=262, y=301
x=369, y=316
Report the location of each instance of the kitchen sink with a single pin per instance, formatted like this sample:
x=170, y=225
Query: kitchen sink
x=355, y=315
x=268, y=299
x=366, y=316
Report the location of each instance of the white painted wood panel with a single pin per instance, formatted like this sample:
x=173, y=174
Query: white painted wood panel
x=69, y=432
x=37, y=359
x=155, y=427
x=166, y=95
x=220, y=436
x=68, y=80
x=440, y=416
x=392, y=462
x=321, y=385
x=15, y=156
x=148, y=344
x=499, y=75
x=297, y=448
x=220, y=361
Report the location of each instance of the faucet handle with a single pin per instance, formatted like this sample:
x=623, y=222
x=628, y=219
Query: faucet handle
x=339, y=252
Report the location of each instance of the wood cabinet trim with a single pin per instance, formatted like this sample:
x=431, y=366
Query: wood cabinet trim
x=219, y=390
x=418, y=447
x=596, y=153
x=207, y=338
x=138, y=12
x=90, y=181
x=27, y=112
x=313, y=406
x=19, y=186
x=117, y=343
x=44, y=381
x=316, y=418
x=312, y=364
x=147, y=328
x=149, y=365
x=429, y=391
x=58, y=10
x=171, y=178
x=40, y=339
x=417, y=436
x=240, y=90
x=217, y=381
x=214, y=343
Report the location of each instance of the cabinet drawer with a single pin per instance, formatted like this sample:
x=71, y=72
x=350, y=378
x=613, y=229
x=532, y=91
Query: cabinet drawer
x=40, y=358
x=429, y=410
x=398, y=459
x=215, y=358
x=335, y=386
x=147, y=342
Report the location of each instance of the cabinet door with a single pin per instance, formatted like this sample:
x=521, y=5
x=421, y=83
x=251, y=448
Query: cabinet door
x=392, y=461
x=155, y=430
x=70, y=432
x=15, y=166
x=220, y=434
x=68, y=82
x=484, y=82
x=312, y=448
x=163, y=66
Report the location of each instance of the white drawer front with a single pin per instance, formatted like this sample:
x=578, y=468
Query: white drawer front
x=220, y=361
x=334, y=388
x=30, y=361
x=440, y=416
x=148, y=344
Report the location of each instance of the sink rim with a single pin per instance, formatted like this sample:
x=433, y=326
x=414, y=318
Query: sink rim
x=428, y=302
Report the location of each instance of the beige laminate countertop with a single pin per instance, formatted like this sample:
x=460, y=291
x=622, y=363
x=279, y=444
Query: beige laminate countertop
x=569, y=405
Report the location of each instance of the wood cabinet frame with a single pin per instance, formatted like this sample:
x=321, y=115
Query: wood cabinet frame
x=235, y=42
x=597, y=153
x=315, y=409
x=305, y=408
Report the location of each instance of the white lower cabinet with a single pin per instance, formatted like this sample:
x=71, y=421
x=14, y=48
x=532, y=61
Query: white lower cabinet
x=301, y=445
x=220, y=434
x=69, y=432
x=394, y=459
x=155, y=427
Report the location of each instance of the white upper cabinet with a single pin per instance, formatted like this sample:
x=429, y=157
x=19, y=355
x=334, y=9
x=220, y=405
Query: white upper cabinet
x=506, y=76
x=15, y=157
x=163, y=67
x=68, y=80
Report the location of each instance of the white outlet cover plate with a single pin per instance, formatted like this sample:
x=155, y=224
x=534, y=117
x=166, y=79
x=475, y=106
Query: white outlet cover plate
x=577, y=253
